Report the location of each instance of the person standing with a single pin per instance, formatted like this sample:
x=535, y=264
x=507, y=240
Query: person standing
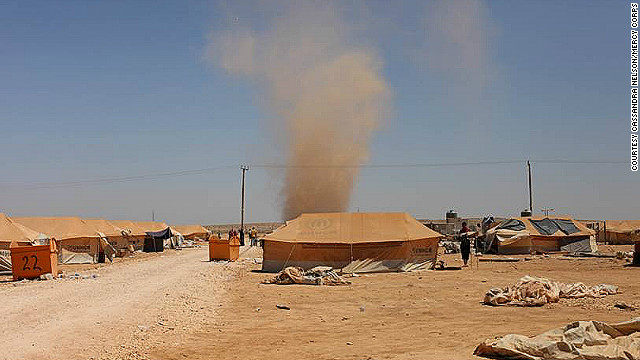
x=465, y=243
x=253, y=235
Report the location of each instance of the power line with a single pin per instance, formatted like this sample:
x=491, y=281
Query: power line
x=382, y=166
x=153, y=176
x=594, y=162
x=421, y=165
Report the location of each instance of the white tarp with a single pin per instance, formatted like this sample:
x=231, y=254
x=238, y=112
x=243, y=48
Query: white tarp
x=593, y=340
x=533, y=291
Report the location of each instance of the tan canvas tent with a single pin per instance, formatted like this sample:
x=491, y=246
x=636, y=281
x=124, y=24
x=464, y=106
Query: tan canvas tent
x=118, y=237
x=12, y=233
x=621, y=231
x=79, y=243
x=525, y=235
x=151, y=225
x=192, y=232
x=136, y=233
x=353, y=242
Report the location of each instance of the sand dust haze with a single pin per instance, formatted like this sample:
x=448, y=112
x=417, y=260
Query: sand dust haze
x=326, y=92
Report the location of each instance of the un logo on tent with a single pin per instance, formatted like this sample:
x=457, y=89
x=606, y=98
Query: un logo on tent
x=319, y=224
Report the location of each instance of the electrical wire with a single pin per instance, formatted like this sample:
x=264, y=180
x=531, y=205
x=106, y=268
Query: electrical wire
x=381, y=166
x=153, y=176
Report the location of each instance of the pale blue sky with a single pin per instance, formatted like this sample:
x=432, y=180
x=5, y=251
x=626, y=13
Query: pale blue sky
x=93, y=90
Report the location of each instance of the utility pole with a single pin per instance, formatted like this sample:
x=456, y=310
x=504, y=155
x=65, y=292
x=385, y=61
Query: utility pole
x=244, y=169
x=153, y=215
x=530, y=195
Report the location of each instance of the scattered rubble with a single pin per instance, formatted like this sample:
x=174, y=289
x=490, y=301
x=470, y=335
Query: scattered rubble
x=450, y=247
x=47, y=276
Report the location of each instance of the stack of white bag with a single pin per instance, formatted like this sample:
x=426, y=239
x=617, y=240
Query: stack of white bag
x=593, y=340
x=533, y=291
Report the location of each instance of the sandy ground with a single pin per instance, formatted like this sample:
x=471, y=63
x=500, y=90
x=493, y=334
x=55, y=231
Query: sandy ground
x=130, y=308
x=420, y=315
x=179, y=306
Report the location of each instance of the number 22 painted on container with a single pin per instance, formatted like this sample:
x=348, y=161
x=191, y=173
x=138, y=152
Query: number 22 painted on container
x=26, y=263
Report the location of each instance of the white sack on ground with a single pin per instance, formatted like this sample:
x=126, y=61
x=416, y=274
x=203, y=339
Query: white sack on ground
x=319, y=275
x=533, y=291
x=593, y=340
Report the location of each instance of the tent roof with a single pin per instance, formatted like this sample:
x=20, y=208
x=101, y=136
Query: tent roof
x=104, y=226
x=583, y=230
x=135, y=229
x=60, y=228
x=12, y=231
x=352, y=228
x=188, y=230
x=151, y=225
x=623, y=226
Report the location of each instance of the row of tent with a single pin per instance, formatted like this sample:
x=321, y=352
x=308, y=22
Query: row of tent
x=353, y=242
x=372, y=242
x=85, y=240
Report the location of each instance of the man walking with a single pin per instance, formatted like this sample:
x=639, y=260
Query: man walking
x=465, y=243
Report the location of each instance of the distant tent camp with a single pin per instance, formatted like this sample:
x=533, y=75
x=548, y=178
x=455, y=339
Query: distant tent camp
x=79, y=242
x=525, y=235
x=622, y=231
x=192, y=232
x=353, y=242
x=12, y=233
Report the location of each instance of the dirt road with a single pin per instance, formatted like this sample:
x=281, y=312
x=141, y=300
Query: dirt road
x=129, y=308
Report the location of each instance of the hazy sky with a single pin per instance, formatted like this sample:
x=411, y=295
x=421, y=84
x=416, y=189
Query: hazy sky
x=103, y=90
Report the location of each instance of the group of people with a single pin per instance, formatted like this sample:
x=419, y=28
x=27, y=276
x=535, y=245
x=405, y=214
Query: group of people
x=253, y=235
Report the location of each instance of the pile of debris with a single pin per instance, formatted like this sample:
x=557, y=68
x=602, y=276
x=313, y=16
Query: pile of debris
x=533, y=291
x=450, y=247
x=319, y=275
x=579, y=340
